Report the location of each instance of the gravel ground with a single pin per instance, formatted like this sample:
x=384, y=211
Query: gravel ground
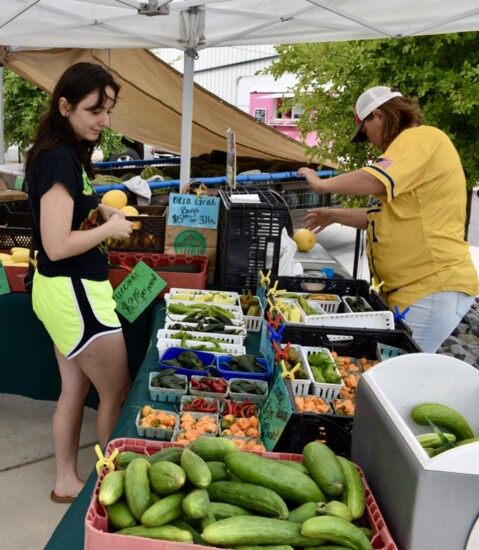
x=464, y=341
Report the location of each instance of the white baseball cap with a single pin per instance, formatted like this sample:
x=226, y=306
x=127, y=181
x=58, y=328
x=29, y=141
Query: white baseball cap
x=368, y=101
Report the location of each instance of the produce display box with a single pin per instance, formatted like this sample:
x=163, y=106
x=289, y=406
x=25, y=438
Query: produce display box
x=165, y=333
x=334, y=429
x=148, y=234
x=326, y=391
x=166, y=394
x=341, y=287
x=249, y=237
x=176, y=270
x=427, y=502
x=15, y=236
x=232, y=349
x=254, y=323
x=227, y=373
x=208, y=359
x=16, y=277
x=157, y=433
x=96, y=520
x=15, y=214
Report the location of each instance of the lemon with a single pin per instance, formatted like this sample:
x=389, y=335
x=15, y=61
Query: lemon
x=304, y=239
x=115, y=198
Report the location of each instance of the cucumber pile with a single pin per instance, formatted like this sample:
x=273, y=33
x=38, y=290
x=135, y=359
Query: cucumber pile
x=210, y=493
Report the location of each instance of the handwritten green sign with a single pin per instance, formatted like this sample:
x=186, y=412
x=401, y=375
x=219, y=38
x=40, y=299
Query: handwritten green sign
x=275, y=414
x=4, y=286
x=136, y=292
x=193, y=211
x=19, y=183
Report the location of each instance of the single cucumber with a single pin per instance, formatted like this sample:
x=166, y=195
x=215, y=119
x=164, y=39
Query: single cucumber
x=165, y=532
x=112, y=487
x=218, y=470
x=299, y=466
x=124, y=458
x=212, y=448
x=119, y=515
x=257, y=530
x=444, y=417
x=432, y=440
x=354, y=493
x=171, y=454
x=196, y=503
x=324, y=467
x=467, y=441
x=303, y=512
x=335, y=508
x=206, y=520
x=222, y=510
x=137, y=487
x=250, y=496
x=165, y=510
x=336, y=530
x=265, y=547
x=166, y=477
x=181, y=524
x=196, y=469
x=288, y=483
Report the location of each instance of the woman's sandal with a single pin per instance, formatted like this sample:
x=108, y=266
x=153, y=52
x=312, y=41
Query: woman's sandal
x=62, y=500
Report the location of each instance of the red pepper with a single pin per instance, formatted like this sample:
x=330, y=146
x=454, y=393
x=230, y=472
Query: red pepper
x=211, y=407
x=196, y=383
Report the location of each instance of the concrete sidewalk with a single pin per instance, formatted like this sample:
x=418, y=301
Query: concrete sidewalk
x=26, y=460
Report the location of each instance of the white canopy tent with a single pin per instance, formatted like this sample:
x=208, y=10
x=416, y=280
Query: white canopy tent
x=193, y=25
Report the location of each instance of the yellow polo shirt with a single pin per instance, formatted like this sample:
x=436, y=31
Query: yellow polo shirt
x=415, y=239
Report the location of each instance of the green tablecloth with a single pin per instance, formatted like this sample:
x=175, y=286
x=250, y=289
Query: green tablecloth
x=70, y=532
x=27, y=362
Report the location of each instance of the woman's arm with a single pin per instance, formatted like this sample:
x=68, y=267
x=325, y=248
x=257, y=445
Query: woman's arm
x=358, y=182
x=318, y=218
x=108, y=211
x=59, y=241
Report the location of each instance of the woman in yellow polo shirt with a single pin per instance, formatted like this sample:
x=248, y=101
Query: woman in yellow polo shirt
x=415, y=218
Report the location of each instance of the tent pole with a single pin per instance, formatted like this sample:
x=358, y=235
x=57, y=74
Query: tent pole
x=188, y=87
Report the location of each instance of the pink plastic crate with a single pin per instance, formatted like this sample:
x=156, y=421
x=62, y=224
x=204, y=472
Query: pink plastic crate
x=97, y=536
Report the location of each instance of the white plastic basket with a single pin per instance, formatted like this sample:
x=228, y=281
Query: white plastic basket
x=234, y=309
x=237, y=338
x=197, y=416
x=299, y=386
x=326, y=391
x=157, y=433
x=254, y=324
x=229, y=349
x=165, y=394
x=193, y=292
x=167, y=333
x=382, y=320
x=315, y=305
x=329, y=306
x=254, y=398
x=290, y=302
x=188, y=399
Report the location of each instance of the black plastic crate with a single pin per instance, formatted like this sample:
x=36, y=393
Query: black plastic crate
x=148, y=233
x=16, y=236
x=14, y=214
x=248, y=234
x=341, y=287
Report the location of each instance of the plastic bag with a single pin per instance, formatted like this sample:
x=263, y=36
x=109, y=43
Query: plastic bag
x=287, y=264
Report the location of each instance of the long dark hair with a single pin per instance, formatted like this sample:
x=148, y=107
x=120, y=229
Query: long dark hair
x=75, y=84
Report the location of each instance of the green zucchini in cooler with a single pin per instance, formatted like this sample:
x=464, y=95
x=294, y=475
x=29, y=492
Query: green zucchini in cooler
x=166, y=477
x=443, y=417
x=324, y=467
x=290, y=484
x=196, y=469
x=432, y=440
x=257, y=530
x=165, y=532
x=250, y=496
x=165, y=510
x=119, y=515
x=112, y=487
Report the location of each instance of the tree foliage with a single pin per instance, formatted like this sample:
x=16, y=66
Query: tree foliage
x=441, y=71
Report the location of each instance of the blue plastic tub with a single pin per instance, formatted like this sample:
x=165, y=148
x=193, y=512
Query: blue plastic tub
x=173, y=353
x=227, y=374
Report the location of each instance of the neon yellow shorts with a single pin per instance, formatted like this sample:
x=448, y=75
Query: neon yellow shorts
x=74, y=311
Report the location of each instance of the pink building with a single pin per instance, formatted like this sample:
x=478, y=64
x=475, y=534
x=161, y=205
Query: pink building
x=266, y=107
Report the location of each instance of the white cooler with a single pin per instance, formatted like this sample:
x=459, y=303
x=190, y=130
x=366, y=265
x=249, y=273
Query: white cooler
x=427, y=503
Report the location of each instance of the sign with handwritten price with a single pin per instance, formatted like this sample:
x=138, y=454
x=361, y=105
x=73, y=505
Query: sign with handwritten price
x=193, y=211
x=275, y=414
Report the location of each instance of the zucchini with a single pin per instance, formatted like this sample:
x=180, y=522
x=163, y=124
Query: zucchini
x=432, y=440
x=119, y=515
x=212, y=448
x=303, y=512
x=171, y=454
x=324, y=467
x=336, y=530
x=250, y=496
x=223, y=510
x=444, y=417
x=354, y=493
x=257, y=530
x=165, y=510
x=335, y=508
x=165, y=532
x=196, y=469
x=288, y=483
x=137, y=487
x=196, y=504
x=112, y=487
x=166, y=477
